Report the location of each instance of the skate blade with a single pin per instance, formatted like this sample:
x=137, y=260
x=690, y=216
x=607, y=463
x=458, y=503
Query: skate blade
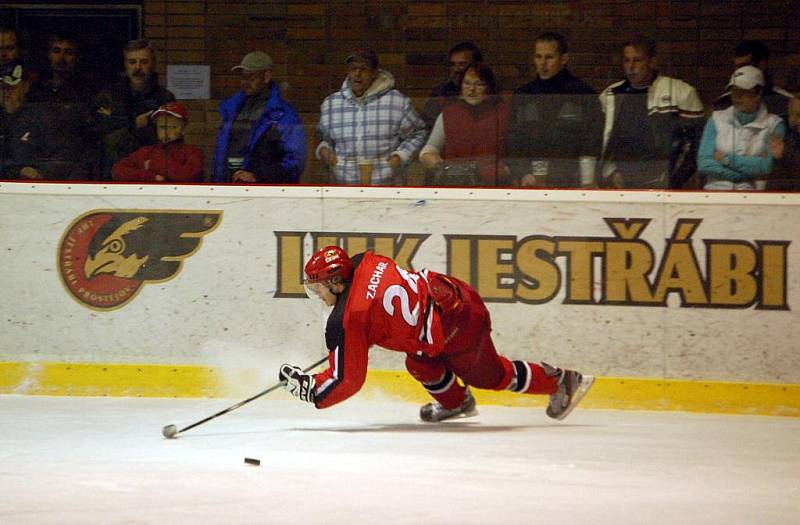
x=586, y=384
x=462, y=415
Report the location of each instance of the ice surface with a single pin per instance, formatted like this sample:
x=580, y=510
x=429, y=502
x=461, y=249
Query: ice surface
x=104, y=461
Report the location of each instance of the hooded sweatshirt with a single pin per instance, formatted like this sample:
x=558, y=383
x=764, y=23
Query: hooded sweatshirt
x=370, y=128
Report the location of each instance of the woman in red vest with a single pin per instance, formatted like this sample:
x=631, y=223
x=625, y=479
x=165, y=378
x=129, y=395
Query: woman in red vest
x=469, y=136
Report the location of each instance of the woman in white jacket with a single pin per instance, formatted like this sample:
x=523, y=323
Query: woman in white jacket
x=735, y=149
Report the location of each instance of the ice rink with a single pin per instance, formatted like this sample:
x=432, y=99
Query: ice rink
x=104, y=461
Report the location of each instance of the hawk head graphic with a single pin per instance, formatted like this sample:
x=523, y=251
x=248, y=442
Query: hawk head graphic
x=147, y=246
x=113, y=256
x=106, y=256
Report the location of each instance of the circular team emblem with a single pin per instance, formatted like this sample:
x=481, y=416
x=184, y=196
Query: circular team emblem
x=105, y=257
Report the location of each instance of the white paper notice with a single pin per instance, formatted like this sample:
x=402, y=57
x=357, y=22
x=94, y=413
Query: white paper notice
x=189, y=82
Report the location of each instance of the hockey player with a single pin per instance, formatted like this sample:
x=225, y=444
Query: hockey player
x=439, y=322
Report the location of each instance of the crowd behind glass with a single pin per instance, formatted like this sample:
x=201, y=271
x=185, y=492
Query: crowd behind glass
x=646, y=131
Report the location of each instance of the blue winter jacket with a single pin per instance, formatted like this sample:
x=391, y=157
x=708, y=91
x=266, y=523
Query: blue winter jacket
x=278, y=113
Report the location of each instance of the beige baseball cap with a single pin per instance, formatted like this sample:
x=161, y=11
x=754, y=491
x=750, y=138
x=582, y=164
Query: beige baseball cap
x=254, y=61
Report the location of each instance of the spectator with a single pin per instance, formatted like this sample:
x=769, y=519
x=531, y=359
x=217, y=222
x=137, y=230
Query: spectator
x=368, y=130
x=11, y=100
x=786, y=175
x=652, y=124
x=555, y=121
x=62, y=82
x=261, y=138
x=40, y=141
x=168, y=161
x=470, y=133
x=460, y=56
x=756, y=53
x=793, y=81
x=735, y=149
x=123, y=110
x=9, y=50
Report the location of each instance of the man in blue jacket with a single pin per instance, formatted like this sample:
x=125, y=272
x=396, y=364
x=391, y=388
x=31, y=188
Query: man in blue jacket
x=261, y=139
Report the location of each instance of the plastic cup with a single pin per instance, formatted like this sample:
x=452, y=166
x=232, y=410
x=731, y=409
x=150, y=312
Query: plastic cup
x=539, y=170
x=587, y=166
x=365, y=167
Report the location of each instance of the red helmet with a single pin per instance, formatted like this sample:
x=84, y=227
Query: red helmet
x=329, y=263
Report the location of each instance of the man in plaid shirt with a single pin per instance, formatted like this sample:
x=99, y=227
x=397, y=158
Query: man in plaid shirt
x=368, y=130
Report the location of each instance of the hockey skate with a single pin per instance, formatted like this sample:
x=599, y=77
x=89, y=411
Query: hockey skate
x=435, y=412
x=572, y=386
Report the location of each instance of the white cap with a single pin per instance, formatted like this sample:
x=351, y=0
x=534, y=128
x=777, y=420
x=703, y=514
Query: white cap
x=747, y=77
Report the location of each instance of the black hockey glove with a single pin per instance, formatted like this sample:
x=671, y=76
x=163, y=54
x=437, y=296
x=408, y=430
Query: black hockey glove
x=297, y=382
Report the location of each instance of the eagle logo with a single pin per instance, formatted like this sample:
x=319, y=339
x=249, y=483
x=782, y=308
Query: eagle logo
x=105, y=256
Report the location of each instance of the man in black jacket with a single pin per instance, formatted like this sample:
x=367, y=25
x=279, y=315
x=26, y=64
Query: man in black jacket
x=62, y=81
x=756, y=53
x=555, y=130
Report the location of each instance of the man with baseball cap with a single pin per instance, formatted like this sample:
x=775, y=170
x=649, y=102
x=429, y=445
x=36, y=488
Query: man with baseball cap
x=38, y=140
x=735, y=148
x=13, y=92
x=368, y=130
x=261, y=138
x=168, y=161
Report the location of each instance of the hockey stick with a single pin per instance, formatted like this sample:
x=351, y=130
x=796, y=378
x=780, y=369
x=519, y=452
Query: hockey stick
x=171, y=431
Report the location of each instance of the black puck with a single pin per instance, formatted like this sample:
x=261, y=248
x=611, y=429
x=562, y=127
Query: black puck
x=252, y=461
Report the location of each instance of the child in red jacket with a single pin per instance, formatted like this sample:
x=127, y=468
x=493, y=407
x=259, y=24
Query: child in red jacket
x=169, y=161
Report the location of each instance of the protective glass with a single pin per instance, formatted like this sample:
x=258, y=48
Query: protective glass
x=315, y=290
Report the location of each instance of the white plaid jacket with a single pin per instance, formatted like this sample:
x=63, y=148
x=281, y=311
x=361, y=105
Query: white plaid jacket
x=373, y=128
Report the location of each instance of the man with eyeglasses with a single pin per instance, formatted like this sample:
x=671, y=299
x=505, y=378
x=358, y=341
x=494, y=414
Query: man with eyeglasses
x=460, y=56
x=555, y=131
x=261, y=138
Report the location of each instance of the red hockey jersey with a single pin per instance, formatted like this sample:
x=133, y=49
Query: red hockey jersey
x=384, y=305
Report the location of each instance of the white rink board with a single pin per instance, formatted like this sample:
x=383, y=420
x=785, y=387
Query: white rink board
x=220, y=308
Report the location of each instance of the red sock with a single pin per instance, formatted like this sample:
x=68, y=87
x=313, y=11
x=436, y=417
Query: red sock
x=447, y=391
x=531, y=378
x=438, y=380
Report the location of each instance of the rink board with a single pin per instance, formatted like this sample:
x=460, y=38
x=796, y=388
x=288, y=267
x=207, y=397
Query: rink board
x=677, y=292
x=109, y=380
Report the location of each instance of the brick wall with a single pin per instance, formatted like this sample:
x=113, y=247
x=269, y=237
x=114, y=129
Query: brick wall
x=308, y=40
